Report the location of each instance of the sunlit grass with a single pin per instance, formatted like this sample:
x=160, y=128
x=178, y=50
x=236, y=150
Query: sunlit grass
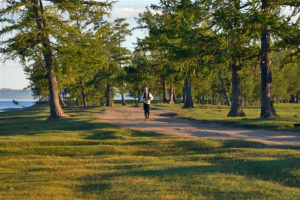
x=289, y=115
x=79, y=158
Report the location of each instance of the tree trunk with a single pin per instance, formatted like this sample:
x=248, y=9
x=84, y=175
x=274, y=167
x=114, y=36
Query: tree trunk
x=174, y=95
x=236, y=101
x=138, y=97
x=171, y=99
x=83, y=93
x=165, y=100
x=108, y=95
x=188, y=94
x=62, y=102
x=267, y=108
x=224, y=89
x=55, y=108
x=123, y=99
x=183, y=94
x=77, y=101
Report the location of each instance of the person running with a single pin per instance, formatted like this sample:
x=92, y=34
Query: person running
x=146, y=98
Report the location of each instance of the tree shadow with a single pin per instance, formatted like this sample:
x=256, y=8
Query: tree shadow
x=276, y=171
x=280, y=171
x=30, y=122
x=245, y=122
x=135, y=133
x=103, y=135
x=273, y=171
x=94, y=188
x=213, y=130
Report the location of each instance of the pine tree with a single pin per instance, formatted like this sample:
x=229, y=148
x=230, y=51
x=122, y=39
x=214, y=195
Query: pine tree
x=41, y=26
x=273, y=27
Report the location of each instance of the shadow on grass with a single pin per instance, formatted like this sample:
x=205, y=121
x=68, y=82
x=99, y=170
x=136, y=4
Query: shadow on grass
x=276, y=123
x=94, y=188
x=179, y=147
x=279, y=171
x=239, y=123
x=213, y=130
x=103, y=135
x=146, y=134
x=34, y=121
x=276, y=171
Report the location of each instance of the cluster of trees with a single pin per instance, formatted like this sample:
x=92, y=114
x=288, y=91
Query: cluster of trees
x=202, y=40
x=68, y=48
x=193, y=51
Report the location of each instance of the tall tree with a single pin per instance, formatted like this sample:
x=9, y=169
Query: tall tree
x=267, y=107
x=140, y=74
x=177, y=28
x=233, y=44
x=36, y=25
x=121, y=54
x=274, y=26
x=118, y=55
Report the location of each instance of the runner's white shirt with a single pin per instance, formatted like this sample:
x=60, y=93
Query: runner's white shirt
x=147, y=101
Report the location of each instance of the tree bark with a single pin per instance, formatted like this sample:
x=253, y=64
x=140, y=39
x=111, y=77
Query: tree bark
x=188, y=94
x=165, y=100
x=174, y=94
x=138, y=97
x=267, y=108
x=123, y=99
x=77, y=101
x=108, y=95
x=224, y=89
x=62, y=102
x=83, y=93
x=236, y=101
x=183, y=94
x=171, y=99
x=55, y=108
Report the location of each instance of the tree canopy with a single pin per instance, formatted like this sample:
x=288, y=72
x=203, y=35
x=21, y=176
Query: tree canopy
x=204, y=51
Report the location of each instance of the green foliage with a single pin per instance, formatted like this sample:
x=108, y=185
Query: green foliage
x=198, y=40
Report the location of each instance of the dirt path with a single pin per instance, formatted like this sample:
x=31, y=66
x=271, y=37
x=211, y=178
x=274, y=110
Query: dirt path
x=162, y=122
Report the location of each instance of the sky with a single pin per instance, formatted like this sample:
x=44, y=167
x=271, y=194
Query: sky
x=12, y=75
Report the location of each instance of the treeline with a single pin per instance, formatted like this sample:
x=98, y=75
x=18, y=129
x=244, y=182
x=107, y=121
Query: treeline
x=203, y=51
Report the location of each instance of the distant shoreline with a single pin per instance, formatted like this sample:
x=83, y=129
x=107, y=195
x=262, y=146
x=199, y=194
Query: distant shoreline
x=17, y=100
x=8, y=105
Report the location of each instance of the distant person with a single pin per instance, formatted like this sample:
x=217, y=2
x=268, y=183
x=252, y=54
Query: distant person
x=146, y=98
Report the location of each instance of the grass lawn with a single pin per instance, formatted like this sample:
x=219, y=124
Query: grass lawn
x=289, y=116
x=78, y=158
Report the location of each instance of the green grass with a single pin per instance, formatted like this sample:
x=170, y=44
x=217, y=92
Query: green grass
x=289, y=115
x=78, y=158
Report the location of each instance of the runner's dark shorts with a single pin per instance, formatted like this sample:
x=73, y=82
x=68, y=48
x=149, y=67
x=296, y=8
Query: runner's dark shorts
x=147, y=108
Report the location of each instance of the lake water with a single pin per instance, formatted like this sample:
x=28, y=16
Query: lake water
x=10, y=104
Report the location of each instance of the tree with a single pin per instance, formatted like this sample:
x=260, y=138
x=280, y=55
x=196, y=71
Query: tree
x=267, y=107
x=118, y=55
x=121, y=54
x=273, y=26
x=37, y=26
x=177, y=29
x=140, y=74
x=233, y=44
